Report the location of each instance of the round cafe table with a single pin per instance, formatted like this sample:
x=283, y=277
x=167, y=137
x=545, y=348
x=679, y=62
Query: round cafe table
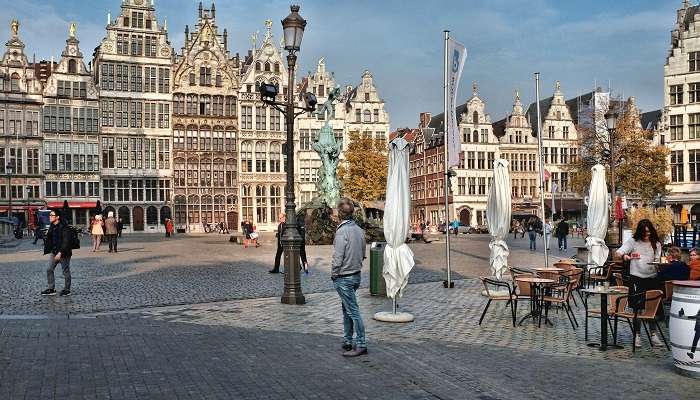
x=603, y=292
x=536, y=297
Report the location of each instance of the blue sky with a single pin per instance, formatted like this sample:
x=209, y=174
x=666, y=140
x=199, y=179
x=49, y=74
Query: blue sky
x=400, y=42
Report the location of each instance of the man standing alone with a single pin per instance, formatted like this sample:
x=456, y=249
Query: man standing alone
x=111, y=231
x=348, y=253
x=58, y=246
x=562, y=233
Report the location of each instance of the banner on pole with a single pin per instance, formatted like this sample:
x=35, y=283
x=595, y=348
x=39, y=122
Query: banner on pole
x=457, y=55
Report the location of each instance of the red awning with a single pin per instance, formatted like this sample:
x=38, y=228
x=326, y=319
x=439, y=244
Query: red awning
x=72, y=204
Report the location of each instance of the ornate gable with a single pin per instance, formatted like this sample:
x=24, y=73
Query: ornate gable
x=517, y=119
x=476, y=108
x=558, y=110
x=266, y=64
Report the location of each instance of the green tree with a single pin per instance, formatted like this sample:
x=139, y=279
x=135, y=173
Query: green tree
x=640, y=165
x=363, y=174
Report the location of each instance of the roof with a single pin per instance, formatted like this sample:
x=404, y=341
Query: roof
x=406, y=133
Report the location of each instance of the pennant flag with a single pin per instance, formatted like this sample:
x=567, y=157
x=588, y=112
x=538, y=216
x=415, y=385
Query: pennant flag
x=457, y=55
x=547, y=175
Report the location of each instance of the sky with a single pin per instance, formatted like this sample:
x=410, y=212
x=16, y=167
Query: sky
x=617, y=44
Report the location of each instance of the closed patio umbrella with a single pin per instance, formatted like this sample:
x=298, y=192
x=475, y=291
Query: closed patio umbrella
x=398, y=257
x=498, y=213
x=597, y=217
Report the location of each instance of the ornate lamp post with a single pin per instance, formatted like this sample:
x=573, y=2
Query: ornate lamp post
x=293, y=27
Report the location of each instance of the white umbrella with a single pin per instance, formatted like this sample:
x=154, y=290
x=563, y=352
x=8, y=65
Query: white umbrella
x=597, y=217
x=398, y=257
x=498, y=217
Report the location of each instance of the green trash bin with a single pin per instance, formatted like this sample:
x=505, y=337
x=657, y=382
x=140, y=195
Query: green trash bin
x=377, y=285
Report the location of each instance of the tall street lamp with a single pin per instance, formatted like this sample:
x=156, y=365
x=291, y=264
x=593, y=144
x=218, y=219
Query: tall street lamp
x=9, y=168
x=293, y=27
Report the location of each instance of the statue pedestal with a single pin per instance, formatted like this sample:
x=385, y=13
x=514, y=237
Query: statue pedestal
x=321, y=221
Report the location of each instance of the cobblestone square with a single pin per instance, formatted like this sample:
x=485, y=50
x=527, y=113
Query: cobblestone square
x=198, y=317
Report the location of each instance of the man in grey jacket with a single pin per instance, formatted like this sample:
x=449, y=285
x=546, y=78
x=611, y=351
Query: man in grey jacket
x=349, y=251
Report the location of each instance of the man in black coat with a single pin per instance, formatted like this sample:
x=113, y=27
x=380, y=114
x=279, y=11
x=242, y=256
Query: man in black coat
x=562, y=233
x=280, y=250
x=58, y=246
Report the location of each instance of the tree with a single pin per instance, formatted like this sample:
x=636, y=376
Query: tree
x=640, y=165
x=364, y=171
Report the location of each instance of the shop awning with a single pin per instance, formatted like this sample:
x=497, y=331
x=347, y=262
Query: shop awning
x=72, y=204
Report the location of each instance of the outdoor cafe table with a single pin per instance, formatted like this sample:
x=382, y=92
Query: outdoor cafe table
x=548, y=269
x=603, y=292
x=536, y=296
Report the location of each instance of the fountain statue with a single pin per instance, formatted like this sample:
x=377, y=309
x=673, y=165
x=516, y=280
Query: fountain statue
x=328, y=150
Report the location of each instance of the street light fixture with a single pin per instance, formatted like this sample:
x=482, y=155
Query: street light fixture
x=293, y=27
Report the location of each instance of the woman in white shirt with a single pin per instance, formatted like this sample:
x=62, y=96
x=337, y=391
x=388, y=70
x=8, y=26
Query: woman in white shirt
x=643, y=248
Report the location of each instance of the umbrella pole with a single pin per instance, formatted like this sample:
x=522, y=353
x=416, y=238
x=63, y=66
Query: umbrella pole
x=539, y=150
x=394, y=305
x=448, y=281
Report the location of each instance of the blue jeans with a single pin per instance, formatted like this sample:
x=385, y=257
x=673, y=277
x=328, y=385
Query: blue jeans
x=346, y=286
x=562, y=242
x=532, y=235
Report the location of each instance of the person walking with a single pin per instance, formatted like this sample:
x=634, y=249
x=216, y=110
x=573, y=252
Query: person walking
x=547, y=233
x=250, y=234
x=169, y=228
x=111, y=231
x=58, y=246
x=120, y=227
x=97, y=232
x=349, y=250
x=642, y=249
x=280, y=250
x=532, y=233
x=562, y=233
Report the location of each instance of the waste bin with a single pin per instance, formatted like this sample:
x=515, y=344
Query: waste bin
x=377, y=286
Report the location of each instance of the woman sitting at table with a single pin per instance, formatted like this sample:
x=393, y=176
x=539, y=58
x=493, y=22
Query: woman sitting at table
x=642, y=249
x=694, y=264
x=677, y=270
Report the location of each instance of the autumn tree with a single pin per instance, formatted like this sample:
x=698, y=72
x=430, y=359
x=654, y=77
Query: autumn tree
x=640, y=165
x=364, y=172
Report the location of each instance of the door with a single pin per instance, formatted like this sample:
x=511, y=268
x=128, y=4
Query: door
x=232, y=221
x=137, y=215
x=465, y=217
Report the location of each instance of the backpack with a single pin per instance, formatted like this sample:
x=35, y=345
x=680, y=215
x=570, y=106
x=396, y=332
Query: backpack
x=74, y=237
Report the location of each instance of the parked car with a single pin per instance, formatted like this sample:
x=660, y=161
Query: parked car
x=482, y=229
x=462, y=228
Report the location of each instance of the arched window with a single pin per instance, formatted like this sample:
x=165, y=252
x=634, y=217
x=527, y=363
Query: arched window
x=275, y=157
x=260, y=157
x=192, y=172
x=165, y=213
x=219, y=209
x=179, y=172
x=261, y=204
x=191, y=104
x=218, y=140
x=277, y=67
x=205, y=105
x=180, y=210
x=151, y=216
x=275, y=203
x=179, y=104
x=205, y=139
x=218, y=176
x=207, y=204
x=247, y=157
x=475, y=117
x=466, y=137
x=205, y=172
x=230, y=179
x=475, y=136
x=14, y=82
x=125, y=215
x=258, y=66
x=267, y=67
x=247, y=203
x=193, y=209
x=367, y=116
x=231, y=201
x=192, y=138
x=72, y=66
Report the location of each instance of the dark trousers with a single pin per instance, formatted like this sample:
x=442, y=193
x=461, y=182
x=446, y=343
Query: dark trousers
x=65, y=264
x=642, y=285
x=112, y=240
x=562, y=242
x=278, y=256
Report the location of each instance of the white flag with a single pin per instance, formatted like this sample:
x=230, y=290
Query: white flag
x=457, y=55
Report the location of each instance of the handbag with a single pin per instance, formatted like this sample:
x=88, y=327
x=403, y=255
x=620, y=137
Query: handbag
x=253, y=235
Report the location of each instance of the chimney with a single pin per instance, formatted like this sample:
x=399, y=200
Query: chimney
x=225, y=38
x=424, y=120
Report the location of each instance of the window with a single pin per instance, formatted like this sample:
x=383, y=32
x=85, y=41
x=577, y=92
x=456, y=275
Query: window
x=367, y=116
x=163, y=154
x=677, y=166
x=550, y=132
x=192, y=139
x=358, y=115
x=204, y=105
x=150, y=79
x=230, y=140
x=491, y=157
x=219, y=79
x=694, y=126
x=108, y=190
x=218, y=106
x=565, y=132
x=555, y=156
x=376, y=115
x=694, y=61
x=246, y=203
x=191, y=104
x=137, y=19
x=676, y=94
x=14, y=82
x=573, y=157
x=108, y=152
x=136, y=77
x=475, y=136
x=260, y=157
x=149, y=115
x=205, y=138
x=163, y=115
x=151, y=212
x=246, y=117
x=122, y=78
x=205, y=76
x=694, y=165
x=481, y=160
x=247, y=157
x=136, y=114
x=33, y=161
x=123, y=43
x=275, y=201
x=470, y=160
x=230, y=178
x=192, y=79
x=260, y=118
x=564, y=155
x=151, y=43
x=275, y=120
x=475, y=118
x=179, y=104
x=462, y=185
x=676, y=127
x=230, y=106
x=694, y=92
x=136, y=45
x=275, y=155
x=482, y=185
x=261, y=202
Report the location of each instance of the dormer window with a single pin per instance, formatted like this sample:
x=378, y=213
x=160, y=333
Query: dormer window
x=14, y=82
x=72, y=66
x=277, y=67
x=148, y=24
x=258, y=66
x=475, y=117
x=267, y=67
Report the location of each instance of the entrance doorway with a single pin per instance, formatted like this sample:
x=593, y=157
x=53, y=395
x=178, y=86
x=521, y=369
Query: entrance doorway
x=465, y=217
x=232, y=221
x=138, y=219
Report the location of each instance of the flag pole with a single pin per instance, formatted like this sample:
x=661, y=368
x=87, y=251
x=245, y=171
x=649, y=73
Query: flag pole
x=539, y=150
x=448, y=282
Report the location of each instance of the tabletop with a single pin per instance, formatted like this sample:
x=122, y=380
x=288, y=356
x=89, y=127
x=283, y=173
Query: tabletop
x=531, y=279
x=550, y=269
x=603, y=290
x=687, y=283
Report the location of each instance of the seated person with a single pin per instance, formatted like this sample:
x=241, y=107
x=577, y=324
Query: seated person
x=694, y=264
x=677, y=271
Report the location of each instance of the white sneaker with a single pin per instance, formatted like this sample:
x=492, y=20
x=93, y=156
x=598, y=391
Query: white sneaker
x=655, y=340
x=638, y=342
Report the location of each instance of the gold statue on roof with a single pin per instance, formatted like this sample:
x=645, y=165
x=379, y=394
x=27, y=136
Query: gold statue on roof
x=14, y=26
x=72, y=29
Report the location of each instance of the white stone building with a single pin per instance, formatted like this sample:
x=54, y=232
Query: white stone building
x=132, y=69
x=20, y=131
x=71, y=127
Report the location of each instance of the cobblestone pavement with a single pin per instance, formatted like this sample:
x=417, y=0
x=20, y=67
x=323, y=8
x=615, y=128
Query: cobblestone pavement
x=152, y=271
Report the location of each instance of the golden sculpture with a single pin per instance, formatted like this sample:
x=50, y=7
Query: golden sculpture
x=72, y=29
x=14, y=26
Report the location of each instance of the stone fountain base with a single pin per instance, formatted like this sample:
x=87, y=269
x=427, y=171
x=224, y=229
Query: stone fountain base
x=321, y=222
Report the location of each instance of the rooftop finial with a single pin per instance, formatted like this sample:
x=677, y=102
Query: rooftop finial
x=475, y=88
x=14, y=26
x=517, y=95
x=268, y=27
x=72, y=29
x=557, y=86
